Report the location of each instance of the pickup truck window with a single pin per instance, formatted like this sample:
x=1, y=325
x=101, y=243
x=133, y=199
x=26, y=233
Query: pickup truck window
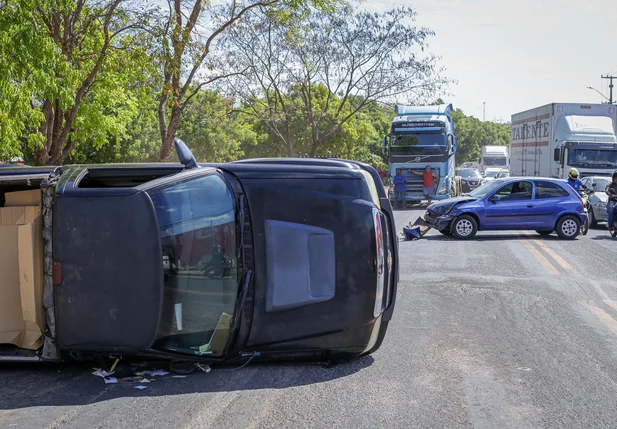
x=197, y=222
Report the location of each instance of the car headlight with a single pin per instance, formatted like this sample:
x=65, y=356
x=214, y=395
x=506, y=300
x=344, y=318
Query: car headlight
x=441, y=210
x=600, y=205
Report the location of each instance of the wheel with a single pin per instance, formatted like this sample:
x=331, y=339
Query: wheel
x=592, y=218
x=545, y=232
x=445, y=231
x=464, y=226
x=568, y=227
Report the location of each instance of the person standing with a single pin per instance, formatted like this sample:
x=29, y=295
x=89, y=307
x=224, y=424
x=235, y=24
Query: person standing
x=611, y=191
x=400, y=187
x=428, y=182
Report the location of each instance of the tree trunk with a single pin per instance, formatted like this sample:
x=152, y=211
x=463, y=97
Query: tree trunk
x=168, y=139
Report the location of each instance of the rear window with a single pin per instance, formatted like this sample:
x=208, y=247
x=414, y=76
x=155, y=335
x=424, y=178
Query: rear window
x=549, y=190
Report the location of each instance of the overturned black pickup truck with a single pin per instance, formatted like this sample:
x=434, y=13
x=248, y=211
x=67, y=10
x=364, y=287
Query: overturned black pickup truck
x=291, y=259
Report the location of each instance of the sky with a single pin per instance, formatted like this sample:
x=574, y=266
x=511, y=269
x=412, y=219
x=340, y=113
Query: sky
x=518, y=54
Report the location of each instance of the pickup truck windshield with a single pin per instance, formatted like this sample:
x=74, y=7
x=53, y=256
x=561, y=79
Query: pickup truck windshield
x=197, y=222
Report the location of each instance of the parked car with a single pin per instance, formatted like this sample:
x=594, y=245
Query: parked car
x=540, y=204
x=470, y=178
x=502, y=174
x=598, y=199
x=268, y=259
x=490, y=174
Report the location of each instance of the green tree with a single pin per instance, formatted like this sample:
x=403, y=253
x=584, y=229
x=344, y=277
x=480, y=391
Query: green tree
x=189, y=61
x=68, y=66
x=472, y=134
x=327, y=68
x=214, y=131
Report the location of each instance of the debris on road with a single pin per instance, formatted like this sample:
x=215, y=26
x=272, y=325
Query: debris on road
x=416, y=230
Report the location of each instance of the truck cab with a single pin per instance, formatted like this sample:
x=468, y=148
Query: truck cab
x=587, y=143
x=423, y=136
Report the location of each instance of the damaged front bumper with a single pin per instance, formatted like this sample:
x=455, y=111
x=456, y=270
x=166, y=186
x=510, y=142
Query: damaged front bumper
x=440, y=222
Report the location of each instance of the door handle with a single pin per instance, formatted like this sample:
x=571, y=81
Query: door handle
x=530, y=206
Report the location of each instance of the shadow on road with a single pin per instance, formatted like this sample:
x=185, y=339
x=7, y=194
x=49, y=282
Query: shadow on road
x=494, y=237
x=28, y=385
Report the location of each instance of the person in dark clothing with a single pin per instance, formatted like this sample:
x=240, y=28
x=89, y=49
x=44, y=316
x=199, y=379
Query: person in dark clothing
x=611, y=191
x=400, y=187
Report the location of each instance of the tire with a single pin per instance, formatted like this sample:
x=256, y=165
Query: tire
x=545, y=232
x=568, y=227
x=464, y=226
x=592, y=218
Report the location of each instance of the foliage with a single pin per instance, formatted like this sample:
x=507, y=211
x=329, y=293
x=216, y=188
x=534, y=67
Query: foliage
x=472, y=134
x=70, y=64
x=90, y=81
x=328, y=70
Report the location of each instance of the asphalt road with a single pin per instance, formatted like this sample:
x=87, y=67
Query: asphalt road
x=504, y=331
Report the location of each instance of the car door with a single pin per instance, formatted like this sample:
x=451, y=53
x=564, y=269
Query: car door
x=510, y=207
x=549, y=197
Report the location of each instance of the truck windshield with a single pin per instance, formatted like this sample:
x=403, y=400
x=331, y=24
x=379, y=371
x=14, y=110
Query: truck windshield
x=592, y=158
x=419, y=143
x=197, y=226
x=496, y=162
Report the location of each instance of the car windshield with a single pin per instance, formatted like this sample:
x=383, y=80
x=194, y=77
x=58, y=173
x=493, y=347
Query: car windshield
x=197, y=223
x=486, y=189
x=491, y=173
x=600, y=184
x=503, y=174
x=471, y=173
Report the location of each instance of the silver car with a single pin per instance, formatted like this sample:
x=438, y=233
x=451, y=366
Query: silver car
x=598, y=199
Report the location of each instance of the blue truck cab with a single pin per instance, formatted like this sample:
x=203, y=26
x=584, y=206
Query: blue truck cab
x=421, y=136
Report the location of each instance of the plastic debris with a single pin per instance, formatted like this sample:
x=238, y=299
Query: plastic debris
x=145, y=380
x=203, y=367
x=140, y=387
x=178, y=376
x=110, y=380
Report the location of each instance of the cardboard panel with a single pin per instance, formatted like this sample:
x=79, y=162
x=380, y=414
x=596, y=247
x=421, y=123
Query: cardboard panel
x=23, y=198
x=18, y=215
x=31, y=275
x=22, y=316
x=12, y=325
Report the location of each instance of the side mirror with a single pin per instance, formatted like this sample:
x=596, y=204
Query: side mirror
x=557, y=155
x=495, y=198
x=594, y=184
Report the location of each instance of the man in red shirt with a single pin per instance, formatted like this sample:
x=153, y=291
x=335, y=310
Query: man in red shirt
x=428, y=178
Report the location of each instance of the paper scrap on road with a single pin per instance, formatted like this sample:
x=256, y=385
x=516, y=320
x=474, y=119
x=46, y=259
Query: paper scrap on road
x=110, y=380
x=178, y=376
x=99, y=373
x=159, y=372
x=140, y=387
x=144, y=380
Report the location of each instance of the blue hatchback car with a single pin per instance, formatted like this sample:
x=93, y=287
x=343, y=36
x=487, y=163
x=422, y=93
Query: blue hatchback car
x=529, y=203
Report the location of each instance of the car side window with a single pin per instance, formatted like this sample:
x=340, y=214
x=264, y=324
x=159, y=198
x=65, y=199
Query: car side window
x=549, y=190
x=515, y=191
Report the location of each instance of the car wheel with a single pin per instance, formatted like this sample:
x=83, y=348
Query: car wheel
x=545, y=232
x=464, y=226
x=592, y=219
x=568, y=227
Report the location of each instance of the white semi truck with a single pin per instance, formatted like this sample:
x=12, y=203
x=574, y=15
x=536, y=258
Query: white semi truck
x=495, y=157
x=549, y=140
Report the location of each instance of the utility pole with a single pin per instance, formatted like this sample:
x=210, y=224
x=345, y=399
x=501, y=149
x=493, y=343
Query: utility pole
x=484, y=110
x=610, y=87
